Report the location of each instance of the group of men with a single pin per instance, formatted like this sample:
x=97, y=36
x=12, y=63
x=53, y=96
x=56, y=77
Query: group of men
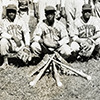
x=50, y=35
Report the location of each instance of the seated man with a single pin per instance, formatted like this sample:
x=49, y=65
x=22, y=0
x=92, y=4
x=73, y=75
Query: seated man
x=50, y=35
x=13, y=32
x=87, y=33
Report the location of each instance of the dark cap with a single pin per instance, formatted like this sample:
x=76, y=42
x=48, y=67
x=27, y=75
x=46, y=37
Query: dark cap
x=23, y=4
x=11, y=6
x=86, y=7
x=49, y=8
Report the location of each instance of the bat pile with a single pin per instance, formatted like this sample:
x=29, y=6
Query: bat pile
x=51, y=59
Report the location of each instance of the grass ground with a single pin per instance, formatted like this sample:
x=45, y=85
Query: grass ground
x=14, y=84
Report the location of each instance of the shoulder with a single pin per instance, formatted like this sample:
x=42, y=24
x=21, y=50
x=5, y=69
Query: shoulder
x=5, y=21
x=59, y=24
x=77, y=20
x=19, y=19
x=94, y=18
x=41, y=24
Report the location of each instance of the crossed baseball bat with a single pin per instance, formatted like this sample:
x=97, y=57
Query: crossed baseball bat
x=62, y=62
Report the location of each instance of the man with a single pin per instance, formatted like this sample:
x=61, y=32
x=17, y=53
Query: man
x=50, y=35
x=24, y=10
x=39, y=6
x=4, y=4
x=87, y=33
x=13, y=32
x=71, y=9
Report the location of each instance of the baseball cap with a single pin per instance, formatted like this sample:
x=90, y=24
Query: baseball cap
x=23, y=4
x=86, y=7
x=11, y=6
x=49, y=8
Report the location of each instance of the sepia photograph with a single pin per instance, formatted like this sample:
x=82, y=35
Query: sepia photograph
x=49, y=49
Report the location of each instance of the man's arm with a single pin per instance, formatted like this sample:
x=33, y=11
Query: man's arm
x=3, y=31
x=64, y=35
x=26, y=34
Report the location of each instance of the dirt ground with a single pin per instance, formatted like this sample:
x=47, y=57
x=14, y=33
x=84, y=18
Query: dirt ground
x=14, y=84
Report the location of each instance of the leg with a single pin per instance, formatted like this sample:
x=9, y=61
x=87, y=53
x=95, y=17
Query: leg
x=4, y=48
x=97, y=47
x=36, y=48
x=39, y=65
x=75, y=47
x=65, y=51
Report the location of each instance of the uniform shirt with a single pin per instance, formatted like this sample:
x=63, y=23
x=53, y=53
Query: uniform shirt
x=15, y=28
x=57, y=32
x=87, y=29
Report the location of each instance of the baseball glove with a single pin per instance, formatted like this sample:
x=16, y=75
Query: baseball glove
x=50, y=39
x=87, y=48
x=25, y=54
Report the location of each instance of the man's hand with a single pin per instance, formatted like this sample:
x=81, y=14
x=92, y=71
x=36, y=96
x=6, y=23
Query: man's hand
x=50, y=43
x=17, y=41
x=25, y=54
x=87, y=47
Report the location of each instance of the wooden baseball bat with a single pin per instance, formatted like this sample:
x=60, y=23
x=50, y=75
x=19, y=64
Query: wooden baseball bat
x=57, y=75
x=74, y=70
x=68, y=66
x=40, y=65
x=33, y=82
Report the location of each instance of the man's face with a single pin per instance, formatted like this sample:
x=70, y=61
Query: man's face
x=87, y=14
x=50, y=17
x=11, y=14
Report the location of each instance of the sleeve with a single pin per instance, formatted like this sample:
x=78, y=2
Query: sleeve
x=64, y=35
x=97, y=24
x=37, y=33
x=73, y=31
x=97, y=29
x=3, y=31
x=26, y=33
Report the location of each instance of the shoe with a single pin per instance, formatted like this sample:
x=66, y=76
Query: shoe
x=4, y=65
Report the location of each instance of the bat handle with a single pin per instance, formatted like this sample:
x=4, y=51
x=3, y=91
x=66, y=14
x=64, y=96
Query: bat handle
x=57, y=75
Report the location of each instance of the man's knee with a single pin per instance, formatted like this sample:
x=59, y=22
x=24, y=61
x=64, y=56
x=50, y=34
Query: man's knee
x=4, y=46
x=65, y=50
x=4, y=41
x=35, y=46
x=75, y=47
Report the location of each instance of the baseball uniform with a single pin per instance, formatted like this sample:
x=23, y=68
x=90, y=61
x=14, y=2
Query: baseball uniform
x=57, y=32
x=9, y=29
